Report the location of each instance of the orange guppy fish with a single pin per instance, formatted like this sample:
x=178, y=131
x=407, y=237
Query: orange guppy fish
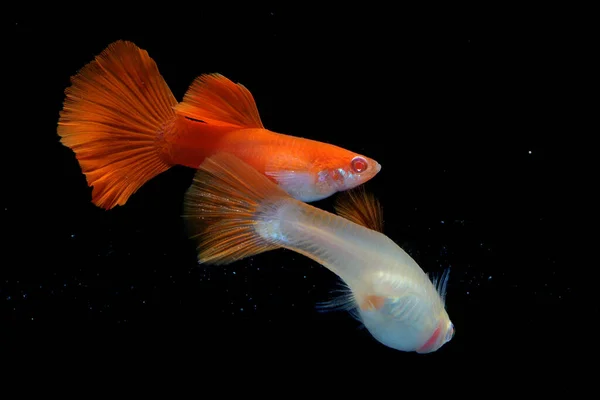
x=233, y=212
x=125, y=127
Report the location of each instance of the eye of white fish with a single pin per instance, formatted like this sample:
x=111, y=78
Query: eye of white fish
x=450, y=332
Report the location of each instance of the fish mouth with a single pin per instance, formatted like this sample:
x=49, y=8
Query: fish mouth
x=377, y=167
x=433, y=343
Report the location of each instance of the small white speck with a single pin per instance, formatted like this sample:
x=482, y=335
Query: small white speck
x=234, y=272
x=241, y=309
x=441, y=222
x=73, y=235
x=529, y=151
x=468, y=292
x=489, y=277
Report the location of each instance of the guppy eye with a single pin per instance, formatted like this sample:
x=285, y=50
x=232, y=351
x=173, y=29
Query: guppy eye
x=359, y=164
x=450, y=333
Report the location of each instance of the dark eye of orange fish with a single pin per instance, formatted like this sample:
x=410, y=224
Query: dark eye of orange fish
x=359, y=164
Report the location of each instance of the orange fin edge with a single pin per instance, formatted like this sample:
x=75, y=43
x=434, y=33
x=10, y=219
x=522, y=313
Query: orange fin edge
x=360, y=207
x=223, y=206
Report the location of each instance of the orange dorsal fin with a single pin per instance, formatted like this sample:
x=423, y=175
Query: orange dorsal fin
x=361, y=208
x=216, y=100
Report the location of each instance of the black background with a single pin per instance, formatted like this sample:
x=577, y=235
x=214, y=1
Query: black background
x=471, y=113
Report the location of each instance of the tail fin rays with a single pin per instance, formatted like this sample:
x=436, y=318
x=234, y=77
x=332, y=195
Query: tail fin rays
x=112, y=118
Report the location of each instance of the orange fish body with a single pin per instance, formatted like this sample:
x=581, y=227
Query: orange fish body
x=125, y=127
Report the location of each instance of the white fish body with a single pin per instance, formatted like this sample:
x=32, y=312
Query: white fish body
x=237, y=212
